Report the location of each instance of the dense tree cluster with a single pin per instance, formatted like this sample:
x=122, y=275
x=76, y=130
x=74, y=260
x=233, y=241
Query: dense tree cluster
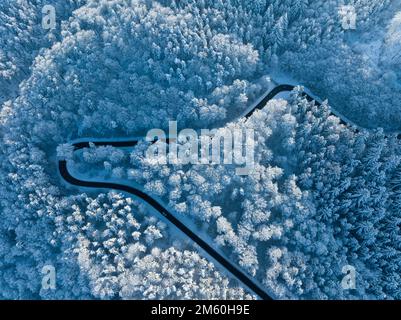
x=22, y=37
x=391, y=56
x=127, y=253
x=356, y=69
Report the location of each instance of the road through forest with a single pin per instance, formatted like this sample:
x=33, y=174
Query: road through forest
x=162, y=209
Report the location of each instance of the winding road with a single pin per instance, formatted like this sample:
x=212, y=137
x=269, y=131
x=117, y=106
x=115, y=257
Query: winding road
x=162, y=209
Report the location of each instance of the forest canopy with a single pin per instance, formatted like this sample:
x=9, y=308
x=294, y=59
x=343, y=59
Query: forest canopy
x=324, y=194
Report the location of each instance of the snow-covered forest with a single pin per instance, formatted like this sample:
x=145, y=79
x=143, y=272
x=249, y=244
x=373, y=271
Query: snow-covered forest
x=322, y=195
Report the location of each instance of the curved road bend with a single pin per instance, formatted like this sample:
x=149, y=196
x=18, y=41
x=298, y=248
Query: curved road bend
x=229, y=266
